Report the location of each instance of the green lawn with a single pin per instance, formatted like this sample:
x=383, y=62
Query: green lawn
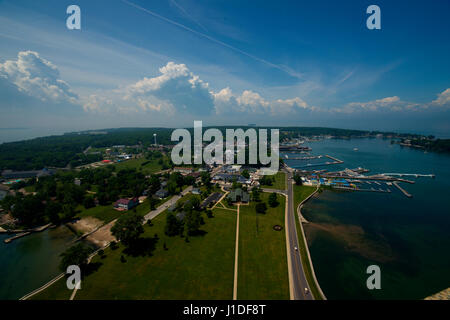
x=200, y=269
x=108, y=213
x=263, y=271
x=30, y=189
x=279, y=183
x=301, y=193
x=148, y=168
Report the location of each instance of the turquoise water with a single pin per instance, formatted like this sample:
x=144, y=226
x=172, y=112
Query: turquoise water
x=29, y=262
x=407, y=237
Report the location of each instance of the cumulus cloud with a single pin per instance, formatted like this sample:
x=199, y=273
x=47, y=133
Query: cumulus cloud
x=395, y=104
x=176, y=88
x=443, y=98
x=387, y=104
x=37, y=77
x=251, y=102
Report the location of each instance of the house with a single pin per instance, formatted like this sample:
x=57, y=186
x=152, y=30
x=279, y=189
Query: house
x=212, y=199
x=162, y=193
x=239, y=195
x=224, y=177
x=195, y=174
x=126, y=204
x=183, y=170
x=244, y=180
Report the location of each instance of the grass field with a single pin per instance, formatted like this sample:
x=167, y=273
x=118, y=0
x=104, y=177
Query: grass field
x=301, y=193
x=148, y=168
x=108, y=213
x=279, y=183
x=263, y=272
x=199, y=269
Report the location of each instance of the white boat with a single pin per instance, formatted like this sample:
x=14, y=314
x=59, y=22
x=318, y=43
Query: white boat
x=355, y=149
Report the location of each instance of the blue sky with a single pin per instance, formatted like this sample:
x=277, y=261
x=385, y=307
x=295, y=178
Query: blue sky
x=169, y=62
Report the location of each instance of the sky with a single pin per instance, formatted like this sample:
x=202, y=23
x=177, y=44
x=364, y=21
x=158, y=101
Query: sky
x=167, y=63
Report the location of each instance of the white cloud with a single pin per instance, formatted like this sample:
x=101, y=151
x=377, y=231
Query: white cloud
x=443, y=98
x=393, y=103
x=37, y=78
x=176, y=88
x=253, y=103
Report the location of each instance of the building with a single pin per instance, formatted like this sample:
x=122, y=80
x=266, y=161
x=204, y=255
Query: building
x=162, y=193
x=126, y=204
x=196, y=191
x=211, y=200
x=183, y=170
x=9, y=174
x=239, y=195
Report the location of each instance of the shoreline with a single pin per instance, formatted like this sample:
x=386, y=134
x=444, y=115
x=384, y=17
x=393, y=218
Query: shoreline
x=301, y=221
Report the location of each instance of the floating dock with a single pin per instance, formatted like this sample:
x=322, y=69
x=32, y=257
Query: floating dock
x=335, y=161
x=402, y=190
x=17, y=236
x=363, y=190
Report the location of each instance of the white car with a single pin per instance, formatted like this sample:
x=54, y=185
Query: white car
x=306, y=291
x=295, y=248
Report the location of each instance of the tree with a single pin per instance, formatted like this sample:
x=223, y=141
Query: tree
x=102, y=198
x=128, y=228
x=255, y=194
x=173, y=226
x=189, y=180
x=155, y=184
x=273, y=202
x=206, y=178
x=153, y=202
x=261, y=207
x=172, y=187
x=298, y=180
x=52, y=210
x=193, y=221
x=75, y=255
x=88, y=202
x=266, y=181
x=245, y=174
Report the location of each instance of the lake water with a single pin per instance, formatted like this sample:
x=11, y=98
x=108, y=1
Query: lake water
x=408, y=238
x=29, y=262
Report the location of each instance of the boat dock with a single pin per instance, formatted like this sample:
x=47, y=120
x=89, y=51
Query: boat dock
x=17, y=236
x=362, y=190
x=335, y=161
x=402, y=190
x=23, y=233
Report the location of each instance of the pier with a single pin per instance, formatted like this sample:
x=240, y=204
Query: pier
x=402, y=190
x=335, y=161
x=17, y=236
x=22, y=233
x=302, y=158
x=362, y=190
x=416, y=175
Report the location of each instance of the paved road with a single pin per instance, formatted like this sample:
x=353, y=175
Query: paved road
x=298, y=274
x=166, y=204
